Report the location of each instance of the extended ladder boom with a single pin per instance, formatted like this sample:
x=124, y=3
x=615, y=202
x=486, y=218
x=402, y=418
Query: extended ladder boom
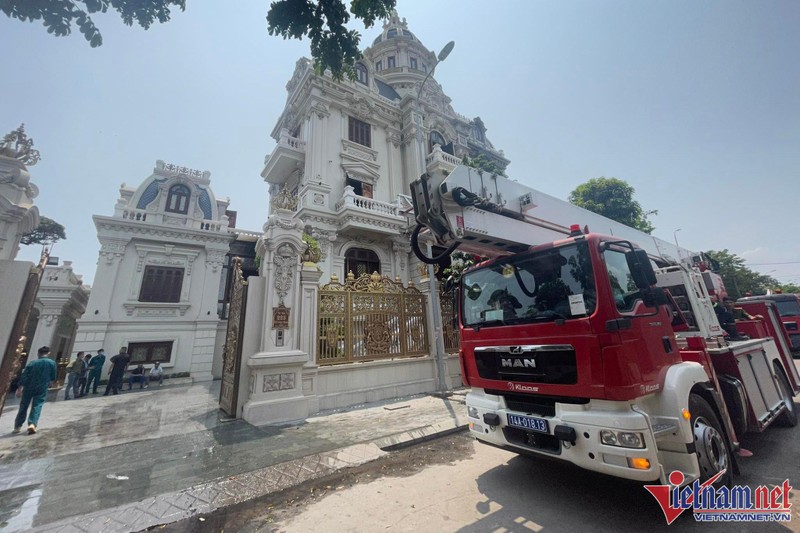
x=491, y=215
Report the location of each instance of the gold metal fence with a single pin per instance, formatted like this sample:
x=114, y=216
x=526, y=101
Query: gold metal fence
x=369, y=318
x=449, y=304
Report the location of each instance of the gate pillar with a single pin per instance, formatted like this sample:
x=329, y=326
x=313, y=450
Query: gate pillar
x=275, y=372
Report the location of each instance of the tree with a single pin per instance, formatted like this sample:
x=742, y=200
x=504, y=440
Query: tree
x=482, y=162
x=612, y=198
x=738, y=278
x=333, y=46
x=47, y=232
x=789, y=288
x=58, y=15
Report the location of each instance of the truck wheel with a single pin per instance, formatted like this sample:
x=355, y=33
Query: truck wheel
x=788, y=417
x=710, y=442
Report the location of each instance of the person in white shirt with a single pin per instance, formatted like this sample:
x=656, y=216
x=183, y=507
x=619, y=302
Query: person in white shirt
x=157, y=373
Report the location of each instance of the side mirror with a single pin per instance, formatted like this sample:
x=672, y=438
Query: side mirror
x=654, y=296
x=474, y=292
x=641, y=269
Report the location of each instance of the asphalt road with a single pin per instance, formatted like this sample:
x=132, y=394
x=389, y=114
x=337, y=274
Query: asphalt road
x=457, y=484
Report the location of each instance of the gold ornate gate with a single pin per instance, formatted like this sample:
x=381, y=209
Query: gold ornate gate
x=232, y=352
x=449, y=304
x=368, y=318
x=12, y=359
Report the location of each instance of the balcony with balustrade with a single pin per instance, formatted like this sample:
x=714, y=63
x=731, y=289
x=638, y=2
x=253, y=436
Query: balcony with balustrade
x=287, y=156
x=440, y=160
x=181, y=221
x=354, y=212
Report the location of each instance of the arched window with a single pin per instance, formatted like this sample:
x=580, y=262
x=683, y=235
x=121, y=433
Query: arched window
x=361, y=73
x=438, y=138
x=361, y=261
x=178, y=199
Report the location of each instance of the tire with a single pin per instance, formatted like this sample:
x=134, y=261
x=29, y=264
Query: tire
x=711, y=445
x=788, y=418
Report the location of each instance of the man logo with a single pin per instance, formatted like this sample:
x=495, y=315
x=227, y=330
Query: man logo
x=526, y=362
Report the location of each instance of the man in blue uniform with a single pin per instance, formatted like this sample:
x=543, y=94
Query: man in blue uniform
x=95, y=369
x=35, y=378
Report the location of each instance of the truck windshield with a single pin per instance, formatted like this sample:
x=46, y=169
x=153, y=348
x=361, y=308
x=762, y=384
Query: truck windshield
x=542, y=286
x=788, y=308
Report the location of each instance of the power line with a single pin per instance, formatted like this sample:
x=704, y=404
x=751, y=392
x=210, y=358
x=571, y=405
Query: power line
x=784, y=263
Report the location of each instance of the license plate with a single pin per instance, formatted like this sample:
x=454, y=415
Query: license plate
x=528, y=422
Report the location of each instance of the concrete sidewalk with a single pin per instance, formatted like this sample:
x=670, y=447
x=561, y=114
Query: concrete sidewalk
x=143, y=458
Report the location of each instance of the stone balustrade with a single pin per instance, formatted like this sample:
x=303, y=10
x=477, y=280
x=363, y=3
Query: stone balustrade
x=142, y=215
x=291, y=142
x=367, y=204
x=438, y=156
x=139, y=215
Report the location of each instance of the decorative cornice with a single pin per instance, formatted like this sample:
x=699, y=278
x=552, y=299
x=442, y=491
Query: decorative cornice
x=144, y=229
x=156, y=309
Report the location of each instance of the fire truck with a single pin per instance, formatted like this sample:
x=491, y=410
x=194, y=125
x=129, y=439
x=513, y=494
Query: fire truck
x=788, y=306
x=588, y=341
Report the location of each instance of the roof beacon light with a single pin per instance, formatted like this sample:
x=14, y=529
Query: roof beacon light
x=575, y=230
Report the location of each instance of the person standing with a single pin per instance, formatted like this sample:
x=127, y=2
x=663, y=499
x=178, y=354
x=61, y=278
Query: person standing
x=34, y=381
x=84, y=379
x=118, y=365
x=74, y=369
x=95, y=369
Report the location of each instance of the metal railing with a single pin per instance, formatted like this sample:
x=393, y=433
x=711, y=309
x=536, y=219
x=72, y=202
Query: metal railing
x=370, y=318
x=449, y=305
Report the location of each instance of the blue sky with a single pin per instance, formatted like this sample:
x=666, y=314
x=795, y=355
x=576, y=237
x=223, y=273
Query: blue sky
x=695, y=104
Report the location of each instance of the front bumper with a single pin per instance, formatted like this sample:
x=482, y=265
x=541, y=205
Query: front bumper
x=587, y=420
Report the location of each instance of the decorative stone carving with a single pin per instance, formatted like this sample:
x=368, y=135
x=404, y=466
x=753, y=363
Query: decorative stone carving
x=284, y=222
x=18, y=146
x=111, y=251
x=360, y=106
x=284, y=199
x=278, y=382
x=319, y=199
x=321, y=110
x=299, y=69
x=285, y=261
x=396, y=139
x=215, y=259
x=325, y=240
x=182, y=171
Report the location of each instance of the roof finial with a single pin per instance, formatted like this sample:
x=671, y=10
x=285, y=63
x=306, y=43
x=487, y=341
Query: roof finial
x=17, y=145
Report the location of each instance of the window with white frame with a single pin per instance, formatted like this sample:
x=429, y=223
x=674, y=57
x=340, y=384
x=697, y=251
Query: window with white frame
x=178, y=199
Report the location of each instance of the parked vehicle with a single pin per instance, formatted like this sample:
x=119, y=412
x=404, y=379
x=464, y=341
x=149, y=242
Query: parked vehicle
x=597, y=348
x=788, y=306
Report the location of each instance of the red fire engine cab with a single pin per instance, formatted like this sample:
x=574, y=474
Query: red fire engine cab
x=598, y=348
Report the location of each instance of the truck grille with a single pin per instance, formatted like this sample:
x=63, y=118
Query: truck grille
x=528, y=364
x=534, y=403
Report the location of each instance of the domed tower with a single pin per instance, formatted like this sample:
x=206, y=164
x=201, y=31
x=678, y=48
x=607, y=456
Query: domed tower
x=398, y=57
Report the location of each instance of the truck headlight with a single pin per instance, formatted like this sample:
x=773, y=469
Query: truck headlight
x=622, y=439
x=472, y=412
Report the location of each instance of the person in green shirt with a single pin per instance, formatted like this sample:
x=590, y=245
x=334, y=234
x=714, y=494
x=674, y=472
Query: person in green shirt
x=74, y=370
x=95, y=369
x=34, y=381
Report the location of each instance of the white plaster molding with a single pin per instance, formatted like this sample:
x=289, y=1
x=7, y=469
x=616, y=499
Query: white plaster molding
x=285, y=261
x=156, y=309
